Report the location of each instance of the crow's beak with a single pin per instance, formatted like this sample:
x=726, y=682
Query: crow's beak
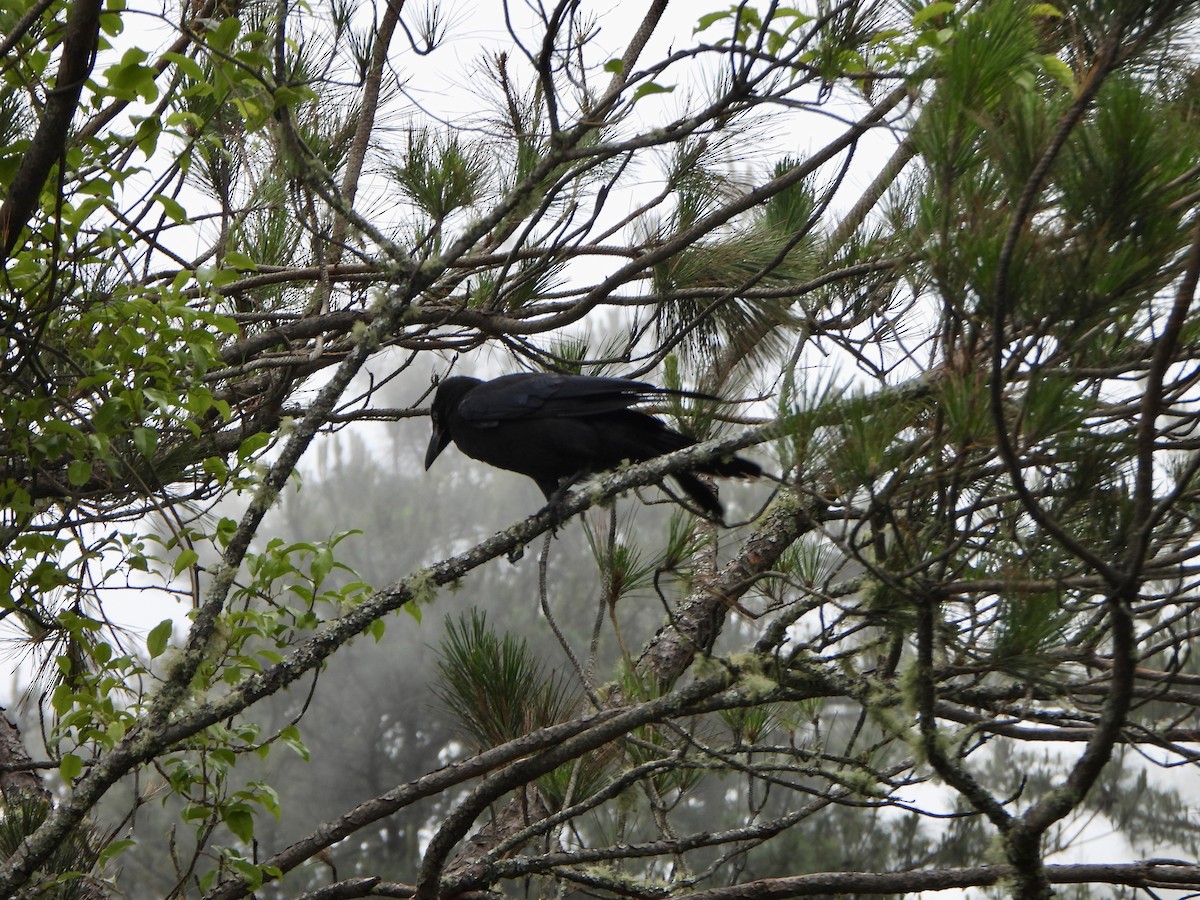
x=437, y=443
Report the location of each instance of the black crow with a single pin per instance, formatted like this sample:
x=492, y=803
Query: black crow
x=559, y=428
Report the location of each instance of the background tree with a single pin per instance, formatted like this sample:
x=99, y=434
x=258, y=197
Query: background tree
x=946, y=651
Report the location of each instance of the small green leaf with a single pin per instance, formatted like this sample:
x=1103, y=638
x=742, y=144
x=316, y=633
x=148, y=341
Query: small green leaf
x=187, y=558
x=216, y=467
x=241, y=823
x=156, y=640
x=616, y=66
x=129, y=79
x=111, y=24
x=222, y=36
x=226, y=529
x=292, y=96
x=290, y=736
x=252, y=874
x=1045, y=11
x=145, y=439
x=147, y=136
x=706, y=21
x=79, y=472
x=63, y=698
x=322, y=565
x=70, y=768
x=1058, y=70
x=185, y=64
x=651, y=87
x=116, y=848
x=172, y=207
x=932, y=11
x=240, y=261
x=164, y=401
x=194, y=812
x=252, y=445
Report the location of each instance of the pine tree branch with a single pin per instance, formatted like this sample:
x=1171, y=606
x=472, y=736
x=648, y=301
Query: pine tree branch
x=455, y=826
x=1148, y=874
x=698, y=620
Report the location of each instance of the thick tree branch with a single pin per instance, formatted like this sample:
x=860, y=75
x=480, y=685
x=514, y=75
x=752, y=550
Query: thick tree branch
x=1149, y=874
x=698, y=620
x=50, y=140
x=18, y=778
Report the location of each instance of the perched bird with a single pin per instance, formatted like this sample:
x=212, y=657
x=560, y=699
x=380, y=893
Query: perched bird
x=559, y=428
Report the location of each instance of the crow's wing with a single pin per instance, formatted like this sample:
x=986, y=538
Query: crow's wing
x=535, y=395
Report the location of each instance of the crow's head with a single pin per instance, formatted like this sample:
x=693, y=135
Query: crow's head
x=449, y=394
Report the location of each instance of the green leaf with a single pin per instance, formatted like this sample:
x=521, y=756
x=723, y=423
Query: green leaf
x=222, y=36
x=290, y=736
x=1058, y=70
x=156, y=640
x=79, y=472
x=252, y=445
x=70, y=768
x=163, y=400
x=226, y=528
x=194, y=812
x=62, y=699
x=292, y=96
x=240, y=261
x=932, y=11
x=707, y=20
x=129, y=79
x=1045, y=11
x=187, y=558
x=616, y=66
x=241, y=823
x=652, y=87
x=216, y=467
x=322, y=565
x=146, y=440
x=111, y=24
x=185, y=64
x=173, y=208
x=148, y=132
x=252, y=874
x=115, y=848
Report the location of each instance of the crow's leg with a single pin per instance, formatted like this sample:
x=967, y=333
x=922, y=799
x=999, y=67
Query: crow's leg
x=556, y=491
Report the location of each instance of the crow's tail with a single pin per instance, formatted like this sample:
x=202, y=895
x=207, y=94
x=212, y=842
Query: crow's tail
x=701, y=494
x=732, y=467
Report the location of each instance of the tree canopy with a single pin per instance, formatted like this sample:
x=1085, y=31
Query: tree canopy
x=941, y=262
